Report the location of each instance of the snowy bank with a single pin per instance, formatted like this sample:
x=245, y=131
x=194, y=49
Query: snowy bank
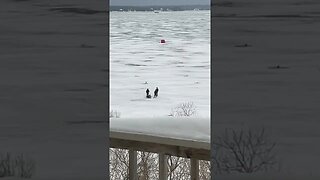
x=193, y=131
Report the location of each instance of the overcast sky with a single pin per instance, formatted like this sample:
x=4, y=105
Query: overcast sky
x=157, y=2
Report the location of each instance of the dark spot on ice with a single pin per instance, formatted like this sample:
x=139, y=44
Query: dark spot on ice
x=200, y=66
x=243, y=45
x=76, y=10
x=86, y=46
x=178, y=62
x=198, y=53
x=131, y=64
x=278, y=67
x=137, y=52
x=180, y=50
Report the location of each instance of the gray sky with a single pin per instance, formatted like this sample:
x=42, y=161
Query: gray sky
x=158, y=2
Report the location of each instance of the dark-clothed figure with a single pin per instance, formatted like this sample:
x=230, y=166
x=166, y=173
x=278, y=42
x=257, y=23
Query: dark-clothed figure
x=156, y=92
x=148, y=95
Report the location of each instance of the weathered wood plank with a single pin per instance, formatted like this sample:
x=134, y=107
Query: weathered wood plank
x=133, y=165
x=163, y=169
x=160, y=140
x=194, y=169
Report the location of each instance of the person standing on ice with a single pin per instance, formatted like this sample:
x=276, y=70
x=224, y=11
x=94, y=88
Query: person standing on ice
x=148, y=95
x=156, y=92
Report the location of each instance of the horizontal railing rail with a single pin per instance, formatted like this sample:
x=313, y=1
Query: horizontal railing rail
x=164, y=146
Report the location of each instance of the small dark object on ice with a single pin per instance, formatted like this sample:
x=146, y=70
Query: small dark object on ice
x=243, y=45
x=86, y=46
x=156, y=92
x=148, y=95
x=278, y=67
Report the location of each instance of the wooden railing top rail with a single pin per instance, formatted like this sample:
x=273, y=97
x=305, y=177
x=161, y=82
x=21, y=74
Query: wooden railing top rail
x=157, y=144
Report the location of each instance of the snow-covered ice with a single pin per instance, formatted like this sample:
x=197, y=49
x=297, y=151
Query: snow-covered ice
x=180, y=67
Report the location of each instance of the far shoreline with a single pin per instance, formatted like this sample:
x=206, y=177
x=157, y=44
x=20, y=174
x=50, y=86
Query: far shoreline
x=159, y=8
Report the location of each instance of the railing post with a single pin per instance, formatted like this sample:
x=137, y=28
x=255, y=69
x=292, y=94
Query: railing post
x=163, y=169
x=194, y=169
x=133, y=165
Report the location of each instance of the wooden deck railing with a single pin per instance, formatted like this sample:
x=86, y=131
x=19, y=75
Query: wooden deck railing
x=163, y=146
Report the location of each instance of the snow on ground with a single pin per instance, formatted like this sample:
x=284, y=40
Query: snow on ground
x=188, y=128
x=180, y=67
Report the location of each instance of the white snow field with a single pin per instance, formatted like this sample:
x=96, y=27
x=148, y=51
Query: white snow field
x=180, y=67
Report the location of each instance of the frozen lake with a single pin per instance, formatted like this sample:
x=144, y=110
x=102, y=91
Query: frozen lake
x=180, y=67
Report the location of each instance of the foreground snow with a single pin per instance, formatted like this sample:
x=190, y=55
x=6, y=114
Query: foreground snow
x=188, y=128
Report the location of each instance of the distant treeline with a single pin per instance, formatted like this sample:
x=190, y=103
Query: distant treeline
x=159, y=8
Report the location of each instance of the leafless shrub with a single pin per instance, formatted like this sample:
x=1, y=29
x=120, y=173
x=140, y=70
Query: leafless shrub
x=178, y=168
x=243, y=151
x=25, y=166
x=7, y=165
x=184, y=109
x=19, y=166
x=114, y=114
x=204, y=170
x=147, y=166
x=119, y=164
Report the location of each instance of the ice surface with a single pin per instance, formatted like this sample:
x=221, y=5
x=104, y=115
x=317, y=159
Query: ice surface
x=180, y=67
